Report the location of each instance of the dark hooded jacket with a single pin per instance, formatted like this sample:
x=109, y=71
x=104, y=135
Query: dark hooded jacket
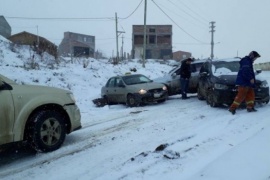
x=185, y=70
x=245, y=73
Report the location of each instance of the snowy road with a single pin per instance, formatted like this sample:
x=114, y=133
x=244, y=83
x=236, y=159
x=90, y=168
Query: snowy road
x=122, y=143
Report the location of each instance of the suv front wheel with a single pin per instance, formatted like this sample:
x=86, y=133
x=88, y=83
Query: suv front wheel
x=47, y=131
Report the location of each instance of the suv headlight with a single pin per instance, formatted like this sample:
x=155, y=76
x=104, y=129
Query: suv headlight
x=220, y=86
x=164, y=88
x=264, y=84
x=142, y=91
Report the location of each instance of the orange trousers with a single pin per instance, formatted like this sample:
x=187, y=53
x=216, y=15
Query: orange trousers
x=244, y=93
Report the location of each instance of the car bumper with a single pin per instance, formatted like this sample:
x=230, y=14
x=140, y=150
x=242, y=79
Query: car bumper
x=227, y=96
x=75, y=116
x=151, y=97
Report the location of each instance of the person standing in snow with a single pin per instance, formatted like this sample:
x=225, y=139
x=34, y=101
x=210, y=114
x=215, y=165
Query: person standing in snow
x=245, y=83
x=185, y=73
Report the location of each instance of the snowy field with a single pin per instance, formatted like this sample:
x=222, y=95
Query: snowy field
x=178, y=139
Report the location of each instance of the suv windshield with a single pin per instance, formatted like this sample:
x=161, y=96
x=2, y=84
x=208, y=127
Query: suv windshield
x=225, y=67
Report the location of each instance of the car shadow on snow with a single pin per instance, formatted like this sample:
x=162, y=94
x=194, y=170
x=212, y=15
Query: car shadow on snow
x=14, y=153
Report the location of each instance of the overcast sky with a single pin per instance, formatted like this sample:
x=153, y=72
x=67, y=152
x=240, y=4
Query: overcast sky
x=241, y=25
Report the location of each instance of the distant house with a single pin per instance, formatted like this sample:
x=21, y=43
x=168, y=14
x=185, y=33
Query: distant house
x=40, y=44
x=180, y=55
x=158, y=41
x=5, y=29
x=77, y=45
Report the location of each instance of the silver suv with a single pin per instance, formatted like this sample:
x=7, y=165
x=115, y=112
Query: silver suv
x=38, y=115
x=172, y=78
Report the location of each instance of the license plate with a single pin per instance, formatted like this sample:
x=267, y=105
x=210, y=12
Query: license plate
x=157, y=95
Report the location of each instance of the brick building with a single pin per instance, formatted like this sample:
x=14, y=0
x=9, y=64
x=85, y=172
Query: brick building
x=40, y=44
x=5, y=29
x=158, y=41
x=77, y=45
x=180, y=55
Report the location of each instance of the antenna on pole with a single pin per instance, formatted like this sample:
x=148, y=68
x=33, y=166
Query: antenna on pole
x=212, y=38
x=144, y=33
x=117, y=34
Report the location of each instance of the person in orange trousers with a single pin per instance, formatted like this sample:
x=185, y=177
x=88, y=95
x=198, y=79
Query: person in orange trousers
x=245, y=82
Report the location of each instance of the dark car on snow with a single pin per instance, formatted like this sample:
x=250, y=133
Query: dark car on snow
x=217, y=83
x=172, y=78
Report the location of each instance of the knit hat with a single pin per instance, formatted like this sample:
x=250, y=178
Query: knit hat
x=255, y=54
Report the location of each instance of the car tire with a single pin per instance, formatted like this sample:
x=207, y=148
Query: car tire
x=132, y=101
x=47, y=131
x=199, y=94
x=210, y=100
x=107, y=100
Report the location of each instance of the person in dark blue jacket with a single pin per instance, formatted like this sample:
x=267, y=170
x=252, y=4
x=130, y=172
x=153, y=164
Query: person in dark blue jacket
x=245, y=83
x=185, y=73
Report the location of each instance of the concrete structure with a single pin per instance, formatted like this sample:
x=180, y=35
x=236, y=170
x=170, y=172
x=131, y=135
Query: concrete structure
x=39, y=44
x=180, y=55
x=5, y=29
x=158, y=41
x=77, y=45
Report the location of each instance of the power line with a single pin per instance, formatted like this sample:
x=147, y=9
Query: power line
x=177, y=24
x=187, y=12
x=133, y=11
x=182, y=17
x=62, y=19
x=190, y=10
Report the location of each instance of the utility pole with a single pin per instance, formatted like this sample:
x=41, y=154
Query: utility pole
x=144, y=33
x=117, y=34
x=212, y=38
x=37, y=38
x=122, y=48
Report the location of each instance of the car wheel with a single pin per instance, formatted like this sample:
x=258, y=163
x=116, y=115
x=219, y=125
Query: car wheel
x=199, y=94
x=107, y=100
x=131, y=101
x=47, y=131
x=210, y=100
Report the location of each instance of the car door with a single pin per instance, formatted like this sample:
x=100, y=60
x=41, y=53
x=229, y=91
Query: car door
x=204, y=79
x=108, y=90
x=6, y=115
x=120, y=90
x=193, y=82
x=175, y=81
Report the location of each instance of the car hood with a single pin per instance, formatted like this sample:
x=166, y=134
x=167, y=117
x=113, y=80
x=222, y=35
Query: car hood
x=164, y=79
x=37, y=89
x=230, y=79
x=226, y=79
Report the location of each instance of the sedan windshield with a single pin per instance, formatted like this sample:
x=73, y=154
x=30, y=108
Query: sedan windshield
x=136, y=79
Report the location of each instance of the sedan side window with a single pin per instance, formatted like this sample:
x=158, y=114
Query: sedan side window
x=111, y=82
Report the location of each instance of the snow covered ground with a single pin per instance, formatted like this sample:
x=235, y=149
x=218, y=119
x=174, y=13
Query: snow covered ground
x=178, y=139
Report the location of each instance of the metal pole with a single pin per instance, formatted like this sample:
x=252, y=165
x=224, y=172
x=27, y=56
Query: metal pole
x=144, y=34
x=37, y=38
x=116, y=31
x=212, y=39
